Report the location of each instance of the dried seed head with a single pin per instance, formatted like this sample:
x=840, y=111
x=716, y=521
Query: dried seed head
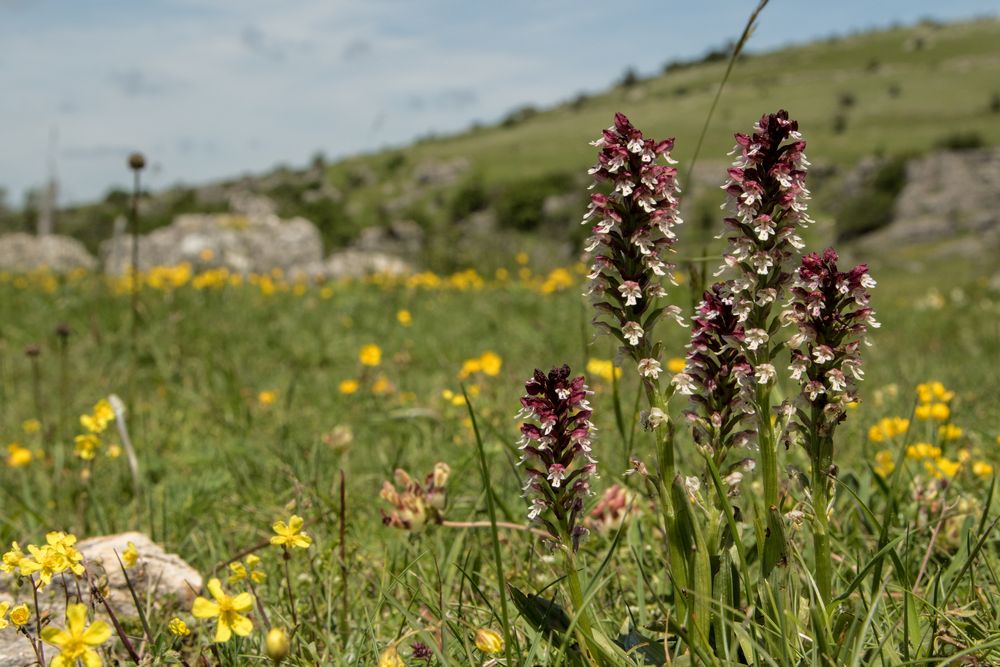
x=136, y=161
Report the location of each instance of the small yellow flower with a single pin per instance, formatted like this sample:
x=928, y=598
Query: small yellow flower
x=4, y=606
x=490, y=363
x=31, y=426
x=489, y=641
x=12, y=559
x=267, y=397
x=130, y=556
x=20, y=615
x=228, y=612
x=206, y=255
x=277, y=645
x=942, y=468
x=290, y=535
x=940, y=412
x=404, y=317
x=469, y=367
x=348, y=387
x=923, y=450
x=18, y=456
x=521, y=258
x=949, y=432
x=390, y=658
x=77, y=641
x=241, y=571
x=98, y=420
x=923, y=411
x=603, y=368
x=178, y=628
x=884, y=463
x=370, y=355
x=114, y=451
x=676, y=365
x=982, y=469
x=85, y=446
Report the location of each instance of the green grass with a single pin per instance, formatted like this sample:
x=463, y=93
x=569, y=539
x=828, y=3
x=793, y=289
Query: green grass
x=218, y=467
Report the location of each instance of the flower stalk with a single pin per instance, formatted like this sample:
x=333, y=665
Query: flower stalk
x=832, y=313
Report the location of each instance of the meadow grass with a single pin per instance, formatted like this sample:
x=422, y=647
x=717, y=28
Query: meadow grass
x=238, y=421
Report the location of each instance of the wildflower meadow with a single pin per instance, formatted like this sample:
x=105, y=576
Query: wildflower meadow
x=768, y=456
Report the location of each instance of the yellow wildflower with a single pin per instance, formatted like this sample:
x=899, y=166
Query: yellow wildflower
x=603, y=368
x=267, y=397
x=923, y=411
x=4, y=606
x=470, y=366
x=489, y=641
x=949, y=432
x=676, y=364
x=31, y=426
x=942, y=468
x=77, y=641
x=982, y=469
x=228, y=611
x=490, y=363
x=276, y=645
x=370, y=355
x=114, y=451
x=178, y=628
x=348, y=387
x=248, y=570
x=130, y=556
x=390, y=658
x=521, y=258
x=884, y=463
x=20, y=615
x=18, y=456
x=290, y=535
x=12, y=559
x=98, y=420
x=923, y=450
x=85, y=446
x=888, y=427
x=404, y=317
x=940, y=412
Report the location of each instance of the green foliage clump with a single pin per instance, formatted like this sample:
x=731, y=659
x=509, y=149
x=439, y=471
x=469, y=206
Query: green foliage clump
x=871, y=208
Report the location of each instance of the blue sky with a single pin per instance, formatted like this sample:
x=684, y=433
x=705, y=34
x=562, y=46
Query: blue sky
x=217, y=88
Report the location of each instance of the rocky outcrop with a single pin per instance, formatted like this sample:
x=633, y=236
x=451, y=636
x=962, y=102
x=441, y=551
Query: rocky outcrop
x=21, y=252
x=950, y=197
x=158, y=576
x=241, y=243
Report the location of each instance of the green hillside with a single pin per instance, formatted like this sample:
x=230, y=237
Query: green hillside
x=896, y=92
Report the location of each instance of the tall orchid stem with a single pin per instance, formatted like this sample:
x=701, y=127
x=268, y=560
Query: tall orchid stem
x=667, y=472
x=768, y=447
x=821, y=463
x=584, y=622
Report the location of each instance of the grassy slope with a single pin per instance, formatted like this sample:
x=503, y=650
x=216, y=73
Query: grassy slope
x=944, y=88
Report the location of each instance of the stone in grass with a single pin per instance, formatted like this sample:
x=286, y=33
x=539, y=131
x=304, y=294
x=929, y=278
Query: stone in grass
x=157, y=576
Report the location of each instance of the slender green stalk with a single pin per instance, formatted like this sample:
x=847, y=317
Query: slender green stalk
x=699, y=267
x=288, y=581
x=822, y=460
x=498, y=560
